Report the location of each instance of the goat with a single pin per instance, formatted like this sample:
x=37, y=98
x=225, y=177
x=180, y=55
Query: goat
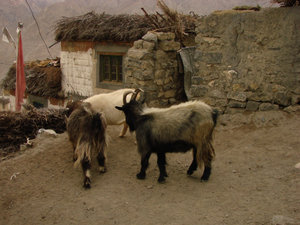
x=178, y=128
x=87, y=133
x=71, y=106
x=106, y=102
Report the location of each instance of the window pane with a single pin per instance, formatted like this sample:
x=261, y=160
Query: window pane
x=114, y=66
x=106, y=68
x=120, y=70
x=110, y=68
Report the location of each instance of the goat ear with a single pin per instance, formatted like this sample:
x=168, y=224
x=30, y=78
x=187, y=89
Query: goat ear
x=119, y=108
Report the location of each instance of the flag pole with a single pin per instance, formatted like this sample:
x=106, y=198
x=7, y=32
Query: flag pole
x=20, y=73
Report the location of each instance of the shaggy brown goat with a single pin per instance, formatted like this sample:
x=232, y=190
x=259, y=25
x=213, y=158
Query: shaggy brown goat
x=87, y=133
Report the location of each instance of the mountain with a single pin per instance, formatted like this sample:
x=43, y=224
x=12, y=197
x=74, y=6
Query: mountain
x=48, y=12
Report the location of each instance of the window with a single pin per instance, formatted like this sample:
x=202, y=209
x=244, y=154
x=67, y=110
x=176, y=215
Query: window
x=110, y=68
x=37, y=102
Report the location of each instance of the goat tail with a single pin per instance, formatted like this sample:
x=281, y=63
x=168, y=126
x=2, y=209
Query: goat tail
x=82, y=152
x=205, y=152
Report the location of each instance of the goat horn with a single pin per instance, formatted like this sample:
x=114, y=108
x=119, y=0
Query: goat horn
x=138, y=90
x=125, y=95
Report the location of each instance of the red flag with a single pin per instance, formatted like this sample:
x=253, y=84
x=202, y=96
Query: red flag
x=20, y=75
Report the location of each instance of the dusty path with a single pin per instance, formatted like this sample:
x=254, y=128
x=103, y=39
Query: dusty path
x=253, y=182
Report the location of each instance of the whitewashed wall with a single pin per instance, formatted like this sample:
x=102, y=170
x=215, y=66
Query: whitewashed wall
x=77, y=70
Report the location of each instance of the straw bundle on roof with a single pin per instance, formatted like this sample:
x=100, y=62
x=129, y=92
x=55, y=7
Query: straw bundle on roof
x=124, y=28
x=43, y=78
x=102, y=27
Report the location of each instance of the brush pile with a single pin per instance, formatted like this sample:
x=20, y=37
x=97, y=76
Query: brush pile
x=16, y=127
x=172, y=21
x=43, y=78
x=287, y=3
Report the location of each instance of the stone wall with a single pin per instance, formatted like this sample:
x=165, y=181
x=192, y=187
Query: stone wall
x=151, y=64
x=248, y=61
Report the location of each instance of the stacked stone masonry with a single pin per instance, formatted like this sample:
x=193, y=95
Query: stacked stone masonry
x=151, y=64
x=248, y=61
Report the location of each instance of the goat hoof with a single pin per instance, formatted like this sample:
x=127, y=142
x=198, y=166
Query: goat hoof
x=102, y=169
x=74, y=158
x=87, y=183
x=204, y=178
x=161, y=180
x=189, y=172
x=141, y=176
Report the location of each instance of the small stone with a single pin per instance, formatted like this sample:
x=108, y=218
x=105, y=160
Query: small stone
x=150, y=36
x=268, y=106
x=297, y=166
x=238, y=96
x=282, y=220
x=252, y=106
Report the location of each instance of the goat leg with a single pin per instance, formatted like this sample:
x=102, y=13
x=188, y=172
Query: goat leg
x=206, y=173
x=161, y=162
x=144, y=165
x=193, y=165
x=124, y=130
x=86, y=166
x=101, y=161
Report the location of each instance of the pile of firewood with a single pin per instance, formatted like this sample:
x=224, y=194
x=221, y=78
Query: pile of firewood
x=172, y=21
x=17, y=127
x=287, y=3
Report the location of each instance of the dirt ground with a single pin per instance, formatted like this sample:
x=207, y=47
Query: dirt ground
x=253, y=181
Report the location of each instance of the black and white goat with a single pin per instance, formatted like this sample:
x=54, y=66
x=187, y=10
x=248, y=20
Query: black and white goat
x=178, y=128
x=87, y=132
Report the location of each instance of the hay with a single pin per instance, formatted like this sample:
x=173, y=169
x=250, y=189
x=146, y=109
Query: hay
x=102, y=27
x=287, y=3
x=16, y=127
x=43, y=78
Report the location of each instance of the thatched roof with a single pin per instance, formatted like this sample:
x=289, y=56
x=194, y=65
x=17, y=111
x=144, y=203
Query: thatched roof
x=102, y=27
x=118, y=28
x=43, y=78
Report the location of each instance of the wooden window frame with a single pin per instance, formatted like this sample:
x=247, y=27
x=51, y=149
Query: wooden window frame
x=106, y=79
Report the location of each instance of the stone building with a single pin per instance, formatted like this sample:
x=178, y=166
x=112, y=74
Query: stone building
x=104, y=52
x=240, y=60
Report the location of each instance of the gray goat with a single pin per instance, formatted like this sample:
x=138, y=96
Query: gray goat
x=178, y=128
x=87, y=133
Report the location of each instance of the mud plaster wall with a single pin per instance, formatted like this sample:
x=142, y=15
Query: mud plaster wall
x=248, y=61
x=76, y=60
